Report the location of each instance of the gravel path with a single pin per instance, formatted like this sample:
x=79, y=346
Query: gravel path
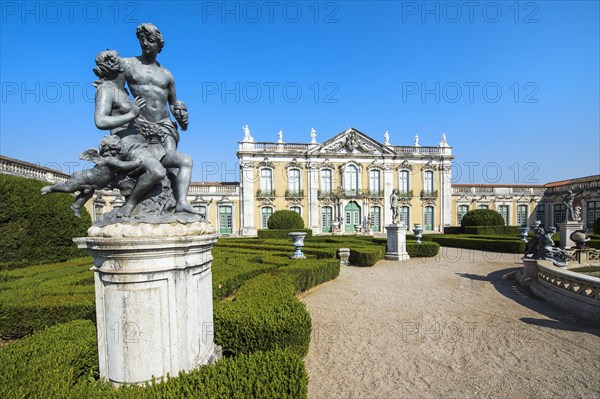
x=445, y=327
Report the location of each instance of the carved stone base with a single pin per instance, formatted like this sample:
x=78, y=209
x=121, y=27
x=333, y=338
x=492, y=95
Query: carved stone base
x=396, y=243
x=566, y=229
x=154, y=304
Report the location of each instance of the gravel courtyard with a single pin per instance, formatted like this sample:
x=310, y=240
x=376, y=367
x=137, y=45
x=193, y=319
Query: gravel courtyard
x=445, y=327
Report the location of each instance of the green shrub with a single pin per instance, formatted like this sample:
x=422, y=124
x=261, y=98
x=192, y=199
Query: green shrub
x=36, y=297
x=482, y=217
x=480, y=243
x=36, y=228
x=596, y=226
x=49, y=363
x=285, y=219
x=423, y=250
x=281, y=233
x=264, y=316
x=453, y=230
x=366, y=256
x=62, y=362
x=491, y=230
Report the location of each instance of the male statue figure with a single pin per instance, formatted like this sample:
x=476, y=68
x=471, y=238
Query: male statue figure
x=149, y=80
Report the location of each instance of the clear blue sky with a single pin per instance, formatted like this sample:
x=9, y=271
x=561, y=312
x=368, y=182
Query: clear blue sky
x=407, y=67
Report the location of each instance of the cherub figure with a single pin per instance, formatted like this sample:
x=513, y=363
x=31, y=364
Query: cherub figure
x=109, y=162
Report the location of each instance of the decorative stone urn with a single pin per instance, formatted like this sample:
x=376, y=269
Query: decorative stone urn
x=523, y=230
x=418, y=230
x=298, y=243
x=344, y=254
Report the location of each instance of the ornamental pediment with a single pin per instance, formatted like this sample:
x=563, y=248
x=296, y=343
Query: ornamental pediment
x=351, y=141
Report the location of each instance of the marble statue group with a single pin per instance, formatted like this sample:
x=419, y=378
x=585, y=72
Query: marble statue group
x=139, y=157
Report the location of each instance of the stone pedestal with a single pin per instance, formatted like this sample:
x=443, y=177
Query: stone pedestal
x=154, y=304
x=344, y=254
x=566, y=229
x=396, y=243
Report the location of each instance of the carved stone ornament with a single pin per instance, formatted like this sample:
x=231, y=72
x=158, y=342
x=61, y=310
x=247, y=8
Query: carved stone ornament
x=295, y=201
x=429, y=166
x=265, y=163
x=326, y=164
x=294, y=164
x=405, y=166
x=428, y=201
x=351, y=143
x=375, y=165
x=246, y=164
x=266, y=201
x=326, y=201
x=224, y=199
x=404, y=200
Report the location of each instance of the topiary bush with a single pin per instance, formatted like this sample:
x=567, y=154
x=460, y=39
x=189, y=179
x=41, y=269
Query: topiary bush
x=425, y=249
x=284, y=219
x=37, y=228
x=482, y=217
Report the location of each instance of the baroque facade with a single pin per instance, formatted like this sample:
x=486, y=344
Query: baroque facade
x=344, y=184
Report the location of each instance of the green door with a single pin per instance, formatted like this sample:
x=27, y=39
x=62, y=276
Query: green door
x=376, y=216
x=352, y=216
x=225, y=220
x=326, y=219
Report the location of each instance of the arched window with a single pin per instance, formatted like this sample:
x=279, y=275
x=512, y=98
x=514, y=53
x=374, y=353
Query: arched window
x=351, y=179
x=376, y=219
x=296, y=209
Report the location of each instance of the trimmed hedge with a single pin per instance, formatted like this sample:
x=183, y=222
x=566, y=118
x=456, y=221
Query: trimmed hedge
x=36, y=297
x=37, y=228
x=491, y=230
x=482, y=217
x=62, y=362
x=453, y=230
x=285, y=219
x=425, y=249
x=479, y=243
x=281, y=233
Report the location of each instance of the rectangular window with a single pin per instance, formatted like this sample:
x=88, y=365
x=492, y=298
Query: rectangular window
x=483, y=206
x=540, y=213
x=296, y=209
x=201, y=209
x=403, y=181
x=522, y=215
x=265, y=215
x=375, y=181
x=266, y=181
x=351, y=179
x=462, y=211
x=326, y=181
x=428, y=219
x=357, y=218
x=294, y=181
x=560, y=213
x=428, y=181
x=326, y=219
x=404, y=216
x=348, y=219
x=503, y=211
x=593, y=213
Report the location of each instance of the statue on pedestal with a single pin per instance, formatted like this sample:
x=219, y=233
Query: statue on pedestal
x=140, y=158
x=573, y=213
x=395, y=206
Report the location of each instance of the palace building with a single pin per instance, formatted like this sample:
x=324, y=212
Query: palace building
x=344, y=184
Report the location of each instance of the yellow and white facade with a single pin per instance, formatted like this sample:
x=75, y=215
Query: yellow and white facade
x=344, y=184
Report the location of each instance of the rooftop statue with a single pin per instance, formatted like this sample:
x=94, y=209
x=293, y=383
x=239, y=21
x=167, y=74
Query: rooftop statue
x=144, y=139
